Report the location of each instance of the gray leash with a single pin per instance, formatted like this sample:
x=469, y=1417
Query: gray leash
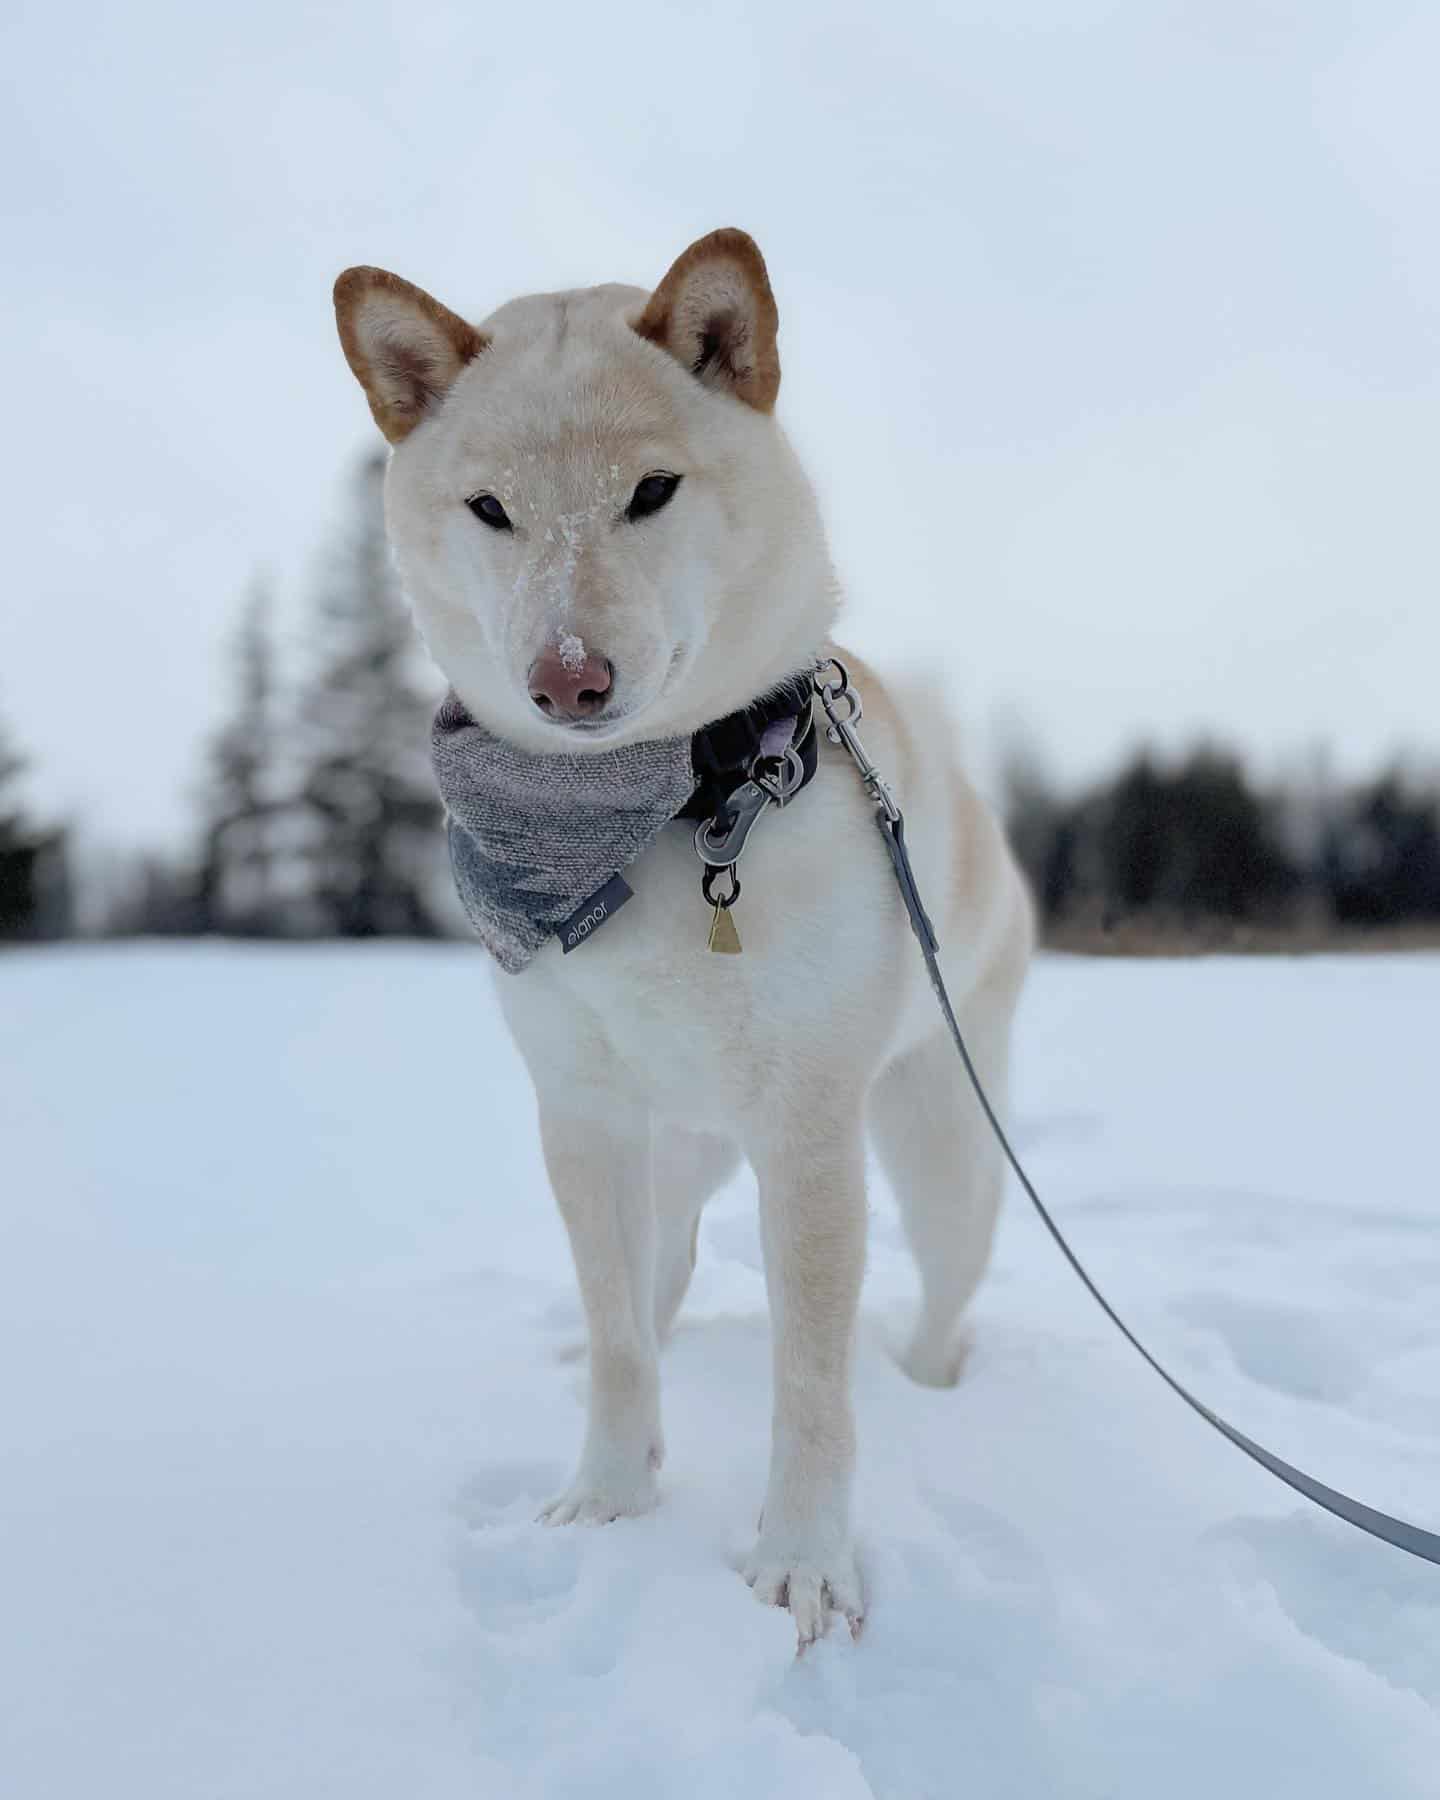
x=842, y=708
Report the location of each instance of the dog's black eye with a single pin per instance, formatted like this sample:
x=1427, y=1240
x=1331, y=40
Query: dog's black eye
x=489, y=509
x=652, y=493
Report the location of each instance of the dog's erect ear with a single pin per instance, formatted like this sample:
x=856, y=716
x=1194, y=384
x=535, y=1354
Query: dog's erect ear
x=404, y=347
x=715, y=313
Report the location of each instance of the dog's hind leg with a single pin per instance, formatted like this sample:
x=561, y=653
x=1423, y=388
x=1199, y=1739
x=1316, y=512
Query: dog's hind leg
x=943, y=1162
x=690, y=1166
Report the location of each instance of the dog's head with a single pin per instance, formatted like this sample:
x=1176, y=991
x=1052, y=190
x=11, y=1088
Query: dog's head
x=600, y=525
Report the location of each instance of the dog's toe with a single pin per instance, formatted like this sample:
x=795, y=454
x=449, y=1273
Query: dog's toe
x=811, y=1589
x=585, y=1504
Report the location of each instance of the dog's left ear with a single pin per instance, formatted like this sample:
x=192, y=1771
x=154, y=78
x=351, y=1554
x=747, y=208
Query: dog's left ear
x=715, y=313
x=404, y=347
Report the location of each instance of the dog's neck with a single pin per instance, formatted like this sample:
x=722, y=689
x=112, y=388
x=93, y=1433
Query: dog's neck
x=536, y=839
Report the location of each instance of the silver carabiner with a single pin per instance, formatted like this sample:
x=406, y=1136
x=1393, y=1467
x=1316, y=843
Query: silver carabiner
x=773, y=779
x=719, y=847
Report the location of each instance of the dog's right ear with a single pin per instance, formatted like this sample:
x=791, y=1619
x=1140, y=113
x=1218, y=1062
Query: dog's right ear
x=404, y=347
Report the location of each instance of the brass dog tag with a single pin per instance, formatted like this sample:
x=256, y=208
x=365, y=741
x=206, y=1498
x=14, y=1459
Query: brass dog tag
x=724, y=938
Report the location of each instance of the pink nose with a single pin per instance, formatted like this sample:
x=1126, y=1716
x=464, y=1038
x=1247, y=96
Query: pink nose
x=565, y=685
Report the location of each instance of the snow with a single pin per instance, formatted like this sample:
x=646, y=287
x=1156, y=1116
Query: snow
x=286, y=1367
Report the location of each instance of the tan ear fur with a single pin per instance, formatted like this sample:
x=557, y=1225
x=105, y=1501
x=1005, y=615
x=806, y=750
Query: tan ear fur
x=715, y=313
x=404, y=347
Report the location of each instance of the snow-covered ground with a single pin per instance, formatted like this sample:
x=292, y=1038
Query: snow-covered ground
x=285, y=1332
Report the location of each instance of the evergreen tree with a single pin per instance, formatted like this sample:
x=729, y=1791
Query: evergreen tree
x=1190, y=843
x=1226, y=857
x=236, y=887
x=1130, y=841
x=1382, y=855
x=34, y=879
x=375, y=847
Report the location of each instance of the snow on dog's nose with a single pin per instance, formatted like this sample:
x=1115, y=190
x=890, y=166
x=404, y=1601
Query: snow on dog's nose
x=568, y=682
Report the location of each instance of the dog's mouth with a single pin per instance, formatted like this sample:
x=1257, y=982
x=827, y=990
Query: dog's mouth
x=601, y=726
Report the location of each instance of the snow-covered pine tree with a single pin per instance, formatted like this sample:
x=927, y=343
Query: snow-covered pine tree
x=34, y=880
x=243, y=805
x=374, y=845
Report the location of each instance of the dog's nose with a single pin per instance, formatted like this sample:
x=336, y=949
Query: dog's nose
x=569, y=683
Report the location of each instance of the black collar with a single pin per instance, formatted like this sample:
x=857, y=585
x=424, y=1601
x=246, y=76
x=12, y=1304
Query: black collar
x=721, y=754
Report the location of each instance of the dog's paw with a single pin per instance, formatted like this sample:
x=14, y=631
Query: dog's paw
x=810, y=1585
x=935, y=1360
x=597, y=1496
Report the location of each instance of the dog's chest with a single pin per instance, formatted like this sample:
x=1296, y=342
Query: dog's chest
x=697, y=1033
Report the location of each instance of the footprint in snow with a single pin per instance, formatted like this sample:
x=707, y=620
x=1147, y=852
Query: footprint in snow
x=505, y=1492
x=511, y=1572
x=1361, y=1600
x=1330, y=1356
x=1286, y=1348
x=999, y=1552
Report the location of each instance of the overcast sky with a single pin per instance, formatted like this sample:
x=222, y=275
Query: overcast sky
x=1109, y=331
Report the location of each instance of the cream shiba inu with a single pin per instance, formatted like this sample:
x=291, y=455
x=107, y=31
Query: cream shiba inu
x=608, y=542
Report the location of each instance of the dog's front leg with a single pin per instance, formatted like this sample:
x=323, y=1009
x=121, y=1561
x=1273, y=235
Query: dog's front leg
x=599, y=1164
x=810, y=1166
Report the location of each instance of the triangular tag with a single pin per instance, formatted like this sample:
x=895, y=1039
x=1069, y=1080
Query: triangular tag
x=724, y=938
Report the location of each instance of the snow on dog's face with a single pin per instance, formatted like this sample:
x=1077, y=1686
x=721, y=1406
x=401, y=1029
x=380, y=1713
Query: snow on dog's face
x=601, y=528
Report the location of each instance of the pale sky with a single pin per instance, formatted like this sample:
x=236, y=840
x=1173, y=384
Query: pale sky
x=1109, y=331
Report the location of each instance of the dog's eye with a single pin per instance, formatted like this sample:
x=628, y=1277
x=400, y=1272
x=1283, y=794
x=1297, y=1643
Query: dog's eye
x=487, y=508
x=652, y=493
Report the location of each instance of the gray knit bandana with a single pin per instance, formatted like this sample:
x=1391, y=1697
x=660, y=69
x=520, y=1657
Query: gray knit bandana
x=537, y=843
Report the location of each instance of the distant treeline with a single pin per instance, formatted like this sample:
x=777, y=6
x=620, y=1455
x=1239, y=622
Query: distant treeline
x=1193, y=849
x=316, y=816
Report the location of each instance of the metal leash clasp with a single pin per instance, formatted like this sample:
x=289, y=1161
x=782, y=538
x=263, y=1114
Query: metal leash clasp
x=835, y=693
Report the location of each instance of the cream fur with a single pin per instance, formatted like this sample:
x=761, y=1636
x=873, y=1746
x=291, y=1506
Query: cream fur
x=656, y=1063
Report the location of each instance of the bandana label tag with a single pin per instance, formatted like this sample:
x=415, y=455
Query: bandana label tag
x=591, y=914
